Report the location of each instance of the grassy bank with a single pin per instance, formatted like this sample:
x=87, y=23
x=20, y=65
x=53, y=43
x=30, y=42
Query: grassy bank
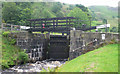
x=11, y=54
x=104, y=59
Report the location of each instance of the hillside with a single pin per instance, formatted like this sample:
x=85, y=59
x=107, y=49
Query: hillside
x=104, y=59
x=35, y=10
x=104, y=12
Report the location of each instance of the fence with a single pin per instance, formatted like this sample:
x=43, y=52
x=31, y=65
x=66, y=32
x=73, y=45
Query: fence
x=10, y=27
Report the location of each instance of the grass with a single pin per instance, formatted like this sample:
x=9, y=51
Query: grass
x=104, y=59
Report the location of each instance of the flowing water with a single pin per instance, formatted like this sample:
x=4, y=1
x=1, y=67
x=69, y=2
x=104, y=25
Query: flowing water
x=36, y=67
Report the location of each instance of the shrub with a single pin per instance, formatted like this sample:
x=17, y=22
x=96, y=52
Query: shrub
x=12, y=41
x=23, y=57
x=11, y=63
x=4, y=64
x=5, y=34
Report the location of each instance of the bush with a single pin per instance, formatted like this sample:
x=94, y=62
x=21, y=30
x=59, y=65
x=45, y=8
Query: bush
x=5, y=34
x=12, y=55
x=12, y=41
x=4, y=64
x=23, y=57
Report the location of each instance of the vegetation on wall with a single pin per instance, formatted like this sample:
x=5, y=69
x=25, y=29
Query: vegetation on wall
x=11, y=54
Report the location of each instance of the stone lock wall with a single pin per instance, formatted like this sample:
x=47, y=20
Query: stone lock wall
x=43, y=46
x=35, y=44
x=82, y=42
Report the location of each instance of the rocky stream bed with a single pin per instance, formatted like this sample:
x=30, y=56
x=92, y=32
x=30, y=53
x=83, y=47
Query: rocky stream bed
x=35, y=67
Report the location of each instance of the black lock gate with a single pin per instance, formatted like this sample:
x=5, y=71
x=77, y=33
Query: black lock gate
x=59, y=47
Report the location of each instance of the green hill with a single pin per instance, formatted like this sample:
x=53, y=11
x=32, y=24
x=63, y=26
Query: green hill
x=104, y=59
x=104, y=12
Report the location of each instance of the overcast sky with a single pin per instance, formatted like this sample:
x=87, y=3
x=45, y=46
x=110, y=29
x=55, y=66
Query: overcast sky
x=112, y=3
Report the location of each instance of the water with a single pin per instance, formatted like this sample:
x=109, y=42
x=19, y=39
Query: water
x=36, y=67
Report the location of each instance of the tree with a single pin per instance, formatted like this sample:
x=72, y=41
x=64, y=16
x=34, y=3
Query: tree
x=71, y=7
x=82, y=17
x=113, y=17
x=47, y=14
x=56, y=7
x=16, y=12
x=114, y=29
x=25, y=12
x=24, y=15
x=60, y=14
x=83, y=8
x=104, y=21
x=10, y=13
x=39, y=10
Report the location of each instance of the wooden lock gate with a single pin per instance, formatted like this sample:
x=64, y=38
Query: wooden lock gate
x=59, y=47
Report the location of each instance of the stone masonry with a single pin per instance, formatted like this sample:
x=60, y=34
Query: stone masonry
x=35, y=44
x=82, y=42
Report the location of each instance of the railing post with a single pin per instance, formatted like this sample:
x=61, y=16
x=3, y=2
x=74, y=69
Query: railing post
x=53, y=25
x=11, y=27
x=2, y=26
x=20, y=28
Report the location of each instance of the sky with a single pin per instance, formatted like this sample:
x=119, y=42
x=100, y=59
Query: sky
x=111, y=3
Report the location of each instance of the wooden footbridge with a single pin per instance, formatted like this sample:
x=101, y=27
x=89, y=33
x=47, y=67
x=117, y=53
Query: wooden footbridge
x=60, y=25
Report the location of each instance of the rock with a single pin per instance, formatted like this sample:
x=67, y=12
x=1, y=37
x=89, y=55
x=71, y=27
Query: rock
x=36, y=67
x=26, y=70
x=20, y=70
x=37, y=70
x=38, y=62
x=57, y=63
x=32, y=64
x=52, y=62
x=50, y=66
x=39, y=66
